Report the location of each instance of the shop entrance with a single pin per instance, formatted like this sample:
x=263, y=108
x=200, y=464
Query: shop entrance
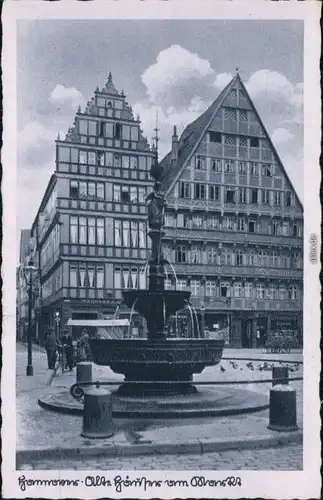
x=246, y=333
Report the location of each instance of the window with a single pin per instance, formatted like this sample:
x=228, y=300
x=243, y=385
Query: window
x=117, y=278
x=125, y=195
x=254, y=196
x=237, y=289
x=225, y=289
x=239, y=258
x=117, y=233
x=243, y=195
x=169, y=220
x=229, y=166
x=233, y=93
x=260, y=290
x=285, y=228
x=181, y=254
x=253, y=168
x=74, y=230
x=229, y=223
x=168, y=284
x=248, y=290
x=133, y=162
x=272, y=292
x=126, y=233
x=100, y=231
x=74, y=189
x=197, y=222
x=214, y=192
x=195, y=287
x=252, y=226
x=199, y=191
x=92, y=128
x=82, y=230
x=212, y=256
x=254, y=142
x=64, y=154
x=213, y=222
x=265, y=197
x=243, y=115
x=216, y=165
x=134, y=133
x=134, y=234
x=195, y=255
x=118, y=129
x=126, y=133
x=210, y=288
x=243, y=167
x=293, y=292
x=109, y=159
x=277, y=198
x=91, y=230
x=100, y=277
x=100, y=191
x=142, y=195
x=73, y=277
x=288, y=199
x=215, y=137
x=241, y=224
x=266, y=170
x=283, y=295
x=230, y=114
x=200, y=163
x=83, y=127
x=133, y=194
x=230, y=195
x=116, y=193
x=142, y=235
x=226, y=257
x=181, y=285
x=297, y=229
x=82, y=157
x=184, y=189
x=108, y=131
x=243, y=142
x=230, y=140
x=125, y=161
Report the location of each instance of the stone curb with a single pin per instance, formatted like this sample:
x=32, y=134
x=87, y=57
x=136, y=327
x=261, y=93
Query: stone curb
x=160, y=448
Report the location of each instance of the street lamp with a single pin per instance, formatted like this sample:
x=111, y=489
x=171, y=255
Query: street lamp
x=29, y=270
x=57, y=319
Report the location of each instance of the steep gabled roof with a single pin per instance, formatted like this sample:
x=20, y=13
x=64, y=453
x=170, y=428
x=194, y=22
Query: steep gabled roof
x=190, y=139
x=194, y=133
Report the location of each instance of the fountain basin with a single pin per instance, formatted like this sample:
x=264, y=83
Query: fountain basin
x=170, y=361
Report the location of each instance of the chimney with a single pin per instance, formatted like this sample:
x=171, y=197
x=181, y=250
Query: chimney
x=175, y=145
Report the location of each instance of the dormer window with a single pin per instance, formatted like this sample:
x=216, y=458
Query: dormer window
x=215, y=137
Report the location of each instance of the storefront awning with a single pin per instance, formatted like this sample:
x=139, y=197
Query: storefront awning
x=98, y=322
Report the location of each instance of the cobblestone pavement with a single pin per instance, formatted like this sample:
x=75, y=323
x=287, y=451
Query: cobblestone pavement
x=281, y=459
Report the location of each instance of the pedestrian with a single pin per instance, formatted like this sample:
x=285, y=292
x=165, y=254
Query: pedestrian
x=83, y=347
x=69, y=350
x=50, y=346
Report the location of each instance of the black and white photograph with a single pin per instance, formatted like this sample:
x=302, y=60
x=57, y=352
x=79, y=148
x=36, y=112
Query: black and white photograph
x=161, y=251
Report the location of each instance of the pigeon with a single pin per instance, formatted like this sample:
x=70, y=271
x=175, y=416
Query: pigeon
x=234, y=365
x=222, y=369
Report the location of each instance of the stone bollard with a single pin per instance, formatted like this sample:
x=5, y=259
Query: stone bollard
x=278, y=373
x=83, y=372
x=97, y=414
x=282, y=408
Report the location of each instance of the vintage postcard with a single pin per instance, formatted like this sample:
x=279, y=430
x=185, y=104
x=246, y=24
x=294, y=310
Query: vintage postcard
x=161, y=249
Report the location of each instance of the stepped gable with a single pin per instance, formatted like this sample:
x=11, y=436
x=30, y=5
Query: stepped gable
x=195, y=131
x=190, y=139
x=91, y=109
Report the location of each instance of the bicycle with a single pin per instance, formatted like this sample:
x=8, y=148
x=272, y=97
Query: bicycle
x=60, y=363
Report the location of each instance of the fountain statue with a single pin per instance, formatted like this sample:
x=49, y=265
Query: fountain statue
x=157, y=365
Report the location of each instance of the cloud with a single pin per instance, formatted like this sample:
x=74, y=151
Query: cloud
x=222, y=79
x=33, y=135
x=176, y=77
x=277, y=96
x=281, y=135
x=66, y=95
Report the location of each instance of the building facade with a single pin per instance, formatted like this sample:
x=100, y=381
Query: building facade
x=234, y=224
x=90, y=229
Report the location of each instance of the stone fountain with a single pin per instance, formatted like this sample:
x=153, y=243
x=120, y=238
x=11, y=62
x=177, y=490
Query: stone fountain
x=157, y=365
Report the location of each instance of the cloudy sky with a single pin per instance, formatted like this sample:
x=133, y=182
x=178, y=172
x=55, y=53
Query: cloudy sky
x=177, y=66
